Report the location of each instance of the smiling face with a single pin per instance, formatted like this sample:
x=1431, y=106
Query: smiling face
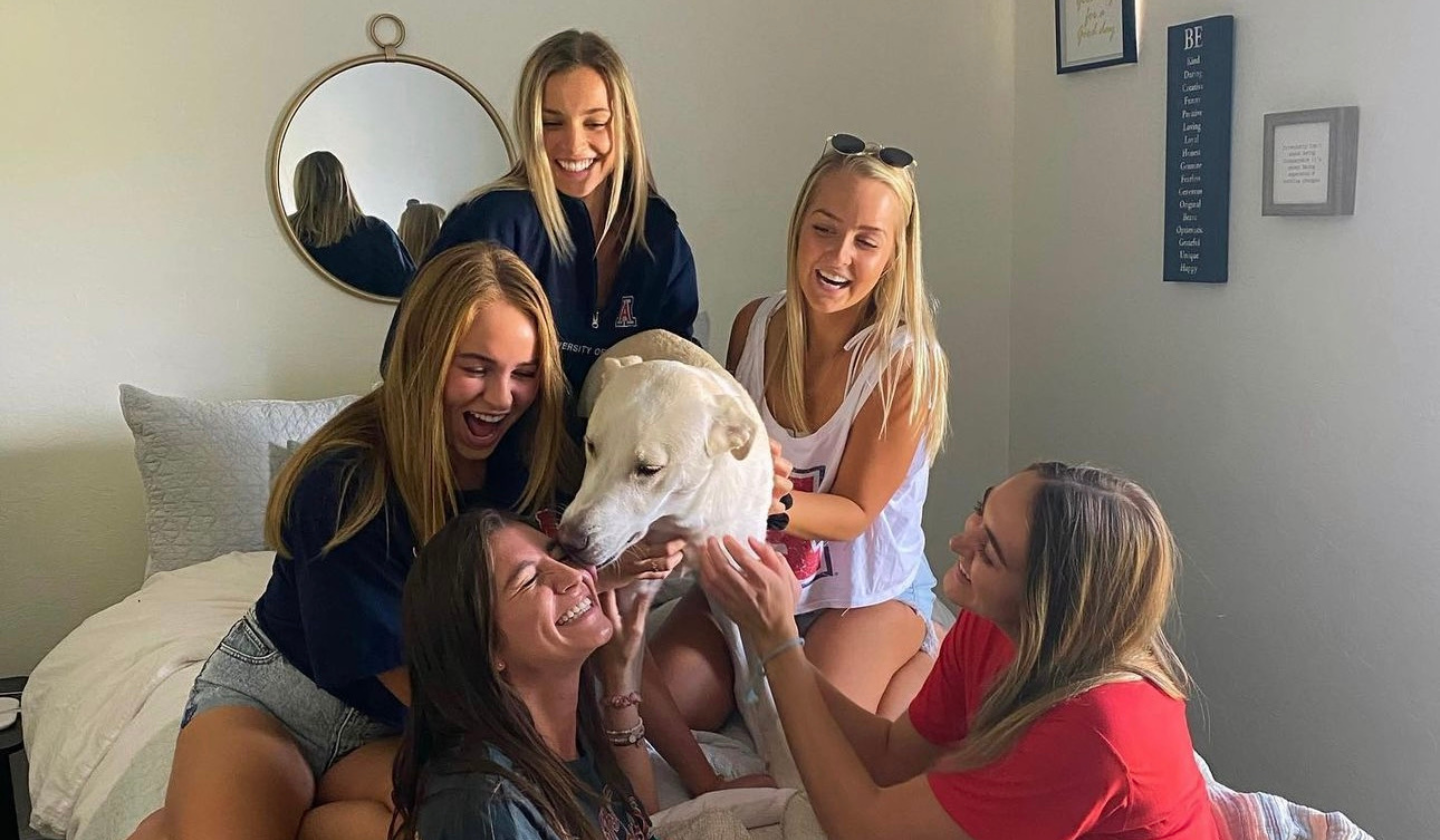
x=491, y=382
x=547, y=612
x=992, y=554
x=847, y=239
x=577, y=127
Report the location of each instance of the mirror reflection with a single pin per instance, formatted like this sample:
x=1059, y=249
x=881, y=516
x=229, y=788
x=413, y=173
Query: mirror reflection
x=370, y=162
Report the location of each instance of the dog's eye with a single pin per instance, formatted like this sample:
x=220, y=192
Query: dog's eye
x=589, y=446
x=648, y=470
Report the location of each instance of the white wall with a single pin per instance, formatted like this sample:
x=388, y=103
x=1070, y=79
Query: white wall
x=1288, y=422
x=140, y=247
x=401, y=131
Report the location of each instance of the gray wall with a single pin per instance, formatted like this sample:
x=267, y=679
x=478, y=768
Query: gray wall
x=1288, y=422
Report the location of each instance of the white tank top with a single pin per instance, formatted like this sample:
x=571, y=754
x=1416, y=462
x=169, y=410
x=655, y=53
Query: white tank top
x=882, y=562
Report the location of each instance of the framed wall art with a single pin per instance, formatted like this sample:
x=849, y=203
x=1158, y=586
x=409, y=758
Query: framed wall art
x=1310, y=162
x=1094, y=33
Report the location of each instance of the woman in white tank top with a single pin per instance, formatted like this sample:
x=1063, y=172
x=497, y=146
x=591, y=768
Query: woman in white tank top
x=851, y=382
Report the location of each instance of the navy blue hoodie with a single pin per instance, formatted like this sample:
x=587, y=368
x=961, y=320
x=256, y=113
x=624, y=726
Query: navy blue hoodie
x=654, y=288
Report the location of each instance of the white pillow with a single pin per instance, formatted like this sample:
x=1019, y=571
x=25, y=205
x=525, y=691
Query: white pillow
x=207, y=468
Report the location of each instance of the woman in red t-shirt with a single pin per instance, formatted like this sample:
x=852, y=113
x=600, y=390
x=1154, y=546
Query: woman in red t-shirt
x=1056, y=708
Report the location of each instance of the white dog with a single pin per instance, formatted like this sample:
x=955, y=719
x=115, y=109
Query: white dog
x=676, y=448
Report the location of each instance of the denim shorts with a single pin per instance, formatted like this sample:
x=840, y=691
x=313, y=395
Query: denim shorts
x=920, y=597
x=247, y=670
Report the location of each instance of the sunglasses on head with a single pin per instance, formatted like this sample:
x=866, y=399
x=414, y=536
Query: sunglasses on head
x=849, y=144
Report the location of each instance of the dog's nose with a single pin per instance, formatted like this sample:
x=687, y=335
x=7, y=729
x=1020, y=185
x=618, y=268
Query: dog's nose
x=573, y=541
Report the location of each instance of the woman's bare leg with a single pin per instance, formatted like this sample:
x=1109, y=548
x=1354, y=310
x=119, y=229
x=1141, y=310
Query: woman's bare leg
x=237, y=775
x=691, y=656
x=903, y=687
x=860, y=650
x=355, y=797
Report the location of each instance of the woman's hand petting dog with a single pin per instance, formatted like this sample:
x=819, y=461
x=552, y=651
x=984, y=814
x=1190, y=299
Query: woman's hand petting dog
x=642, y=561
x=754, y=586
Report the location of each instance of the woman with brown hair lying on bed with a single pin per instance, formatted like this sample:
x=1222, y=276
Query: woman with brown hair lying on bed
x=508, y=736
x=300, y=704
x=1056, y=708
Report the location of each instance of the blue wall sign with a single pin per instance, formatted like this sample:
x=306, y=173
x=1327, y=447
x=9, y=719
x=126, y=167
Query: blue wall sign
x=1197, y=150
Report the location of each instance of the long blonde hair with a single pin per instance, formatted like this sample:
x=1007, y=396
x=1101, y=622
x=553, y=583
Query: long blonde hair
x=899, y=305
x=399, y=428
x=631, y=184
x=326, y=210
x=1099, y=583
x=419, y=225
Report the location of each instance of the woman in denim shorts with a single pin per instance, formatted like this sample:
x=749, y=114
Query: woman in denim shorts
x=315, y=671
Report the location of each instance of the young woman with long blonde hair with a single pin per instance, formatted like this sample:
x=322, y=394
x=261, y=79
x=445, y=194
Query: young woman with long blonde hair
x=359, y=250
x=580, y=205
x=1056, y=710
x=302, y=700
x=851, y=383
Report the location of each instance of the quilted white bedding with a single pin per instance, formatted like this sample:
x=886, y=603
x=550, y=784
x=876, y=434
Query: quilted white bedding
x=119, y=682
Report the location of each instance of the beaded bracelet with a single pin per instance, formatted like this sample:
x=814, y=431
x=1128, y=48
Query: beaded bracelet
x=626, y=737
x=620, y=701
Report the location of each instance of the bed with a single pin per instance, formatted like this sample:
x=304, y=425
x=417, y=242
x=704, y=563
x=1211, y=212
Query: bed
x=102, y=709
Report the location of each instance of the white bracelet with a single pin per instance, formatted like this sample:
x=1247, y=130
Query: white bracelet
x=797, y=641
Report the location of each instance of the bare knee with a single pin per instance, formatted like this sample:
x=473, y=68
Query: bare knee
x=905, y=685
x=354, y=820
x=690, y=656
x=364, y=774
x=153, y=827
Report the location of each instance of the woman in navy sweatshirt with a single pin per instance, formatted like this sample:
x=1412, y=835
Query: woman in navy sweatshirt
x=580, y=206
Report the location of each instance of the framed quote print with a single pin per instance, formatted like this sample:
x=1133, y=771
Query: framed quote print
x=1094, y=33
x=1310, y=162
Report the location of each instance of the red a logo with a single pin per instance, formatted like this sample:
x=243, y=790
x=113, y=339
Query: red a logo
x=626, y=318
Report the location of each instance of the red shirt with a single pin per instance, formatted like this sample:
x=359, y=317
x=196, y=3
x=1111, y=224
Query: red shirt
x=1114, y=762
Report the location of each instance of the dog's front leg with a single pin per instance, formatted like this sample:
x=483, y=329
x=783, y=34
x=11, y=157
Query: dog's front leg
x=756, y=703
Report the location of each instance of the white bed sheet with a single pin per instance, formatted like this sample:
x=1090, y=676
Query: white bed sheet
x=121, y=677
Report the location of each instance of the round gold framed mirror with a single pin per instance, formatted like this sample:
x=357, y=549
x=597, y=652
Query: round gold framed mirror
x=370, y=155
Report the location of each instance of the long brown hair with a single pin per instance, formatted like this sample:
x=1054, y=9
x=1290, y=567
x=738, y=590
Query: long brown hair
x=460, y=707
x=899, y=305
x=1099, y=584
x=398, y=429
x=326, y=210
x=631, y=184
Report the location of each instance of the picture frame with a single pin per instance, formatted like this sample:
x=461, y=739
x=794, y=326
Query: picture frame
x=1094, y=33
x=1310, y=157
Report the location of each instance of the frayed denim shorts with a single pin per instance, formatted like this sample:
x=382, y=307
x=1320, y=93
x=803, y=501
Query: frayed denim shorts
x=248, y=670
x=920, y=597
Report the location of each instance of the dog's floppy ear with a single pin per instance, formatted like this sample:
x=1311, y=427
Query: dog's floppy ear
x=596, y=379
x=732, y=429
x=609, y=366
